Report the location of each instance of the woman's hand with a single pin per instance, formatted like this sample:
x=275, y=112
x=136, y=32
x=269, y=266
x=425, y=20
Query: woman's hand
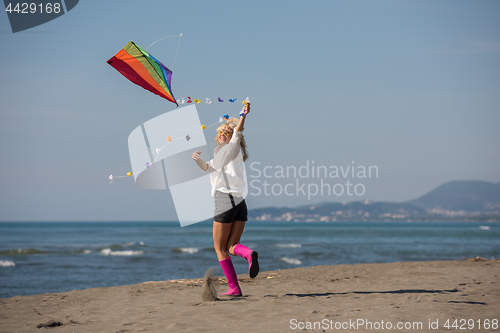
x=201, y=163
x=241, y=122
x=196, y=155
x=246, y=108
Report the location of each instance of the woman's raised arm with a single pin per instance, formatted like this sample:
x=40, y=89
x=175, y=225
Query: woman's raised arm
x=241, y=123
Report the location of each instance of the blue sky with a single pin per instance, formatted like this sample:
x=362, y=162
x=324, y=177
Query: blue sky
x=412, y=87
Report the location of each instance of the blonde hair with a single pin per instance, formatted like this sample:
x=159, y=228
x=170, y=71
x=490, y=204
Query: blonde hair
x=232, y=123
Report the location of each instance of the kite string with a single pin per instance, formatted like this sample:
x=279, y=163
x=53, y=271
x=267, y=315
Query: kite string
x=177, y=49
x=160, y=40
x=178, y=44
x=159, y=151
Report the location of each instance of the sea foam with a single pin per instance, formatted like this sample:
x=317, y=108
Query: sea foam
x=190, y=250
x=7, y=263
x=109, y=252
x=291, y=261
x=130, y=244
x=288, y=245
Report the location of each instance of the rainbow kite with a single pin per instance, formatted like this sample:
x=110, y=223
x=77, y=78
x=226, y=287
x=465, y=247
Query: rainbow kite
x=143, y=69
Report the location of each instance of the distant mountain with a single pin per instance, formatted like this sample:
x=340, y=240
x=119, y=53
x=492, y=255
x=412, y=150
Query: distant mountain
x=456, y=200
x=469, y=195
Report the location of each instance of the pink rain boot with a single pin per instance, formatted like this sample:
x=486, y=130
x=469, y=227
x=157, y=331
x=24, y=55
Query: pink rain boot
x=232, y=279
x=251, y=256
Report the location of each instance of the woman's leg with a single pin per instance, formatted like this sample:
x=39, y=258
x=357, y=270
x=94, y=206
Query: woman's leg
x=235, y=248
x=221, y=232
x=235, y=235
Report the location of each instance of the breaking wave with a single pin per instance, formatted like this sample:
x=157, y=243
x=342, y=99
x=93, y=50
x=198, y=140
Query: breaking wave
x=289, y=245
x=7, y=263
x=109, y=252
x=291, y=261
x=190, y=250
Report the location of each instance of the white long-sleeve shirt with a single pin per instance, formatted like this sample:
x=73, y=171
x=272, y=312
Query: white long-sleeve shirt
x=228, y=160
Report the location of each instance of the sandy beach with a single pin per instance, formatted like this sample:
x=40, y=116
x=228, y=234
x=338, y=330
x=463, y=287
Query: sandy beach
x=405, y=296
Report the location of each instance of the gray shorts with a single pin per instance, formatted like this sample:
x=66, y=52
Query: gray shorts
x=229, y=208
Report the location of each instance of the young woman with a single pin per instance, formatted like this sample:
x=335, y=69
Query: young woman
x=227, y=179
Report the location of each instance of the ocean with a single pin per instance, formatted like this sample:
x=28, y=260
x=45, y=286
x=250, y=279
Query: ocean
x=44, y=257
